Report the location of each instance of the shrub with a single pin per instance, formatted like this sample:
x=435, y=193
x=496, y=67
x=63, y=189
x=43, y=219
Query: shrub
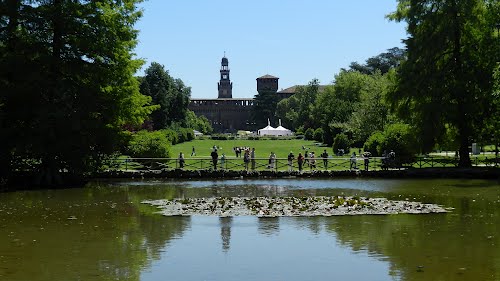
x=219, y=137
x=171, y=136
x=299, y=130
x=396, y=137
x=399, y=138
x=309, y=134
x=318, y=135
x=374, y=144
x=341, y=141
x=189, y=134
x=146, y=144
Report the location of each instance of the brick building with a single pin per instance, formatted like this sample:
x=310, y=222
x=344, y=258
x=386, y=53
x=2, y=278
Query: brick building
x=228, y=114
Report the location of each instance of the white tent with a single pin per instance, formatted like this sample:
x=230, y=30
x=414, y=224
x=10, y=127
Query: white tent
x=267, y=131
x=270, y=131
x=282, y=131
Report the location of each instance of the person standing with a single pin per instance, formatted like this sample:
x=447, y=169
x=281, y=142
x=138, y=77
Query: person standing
x=252, y=158
x=324, y=155
x=222, y=161
x=181, y=160
x=312, y=161
x=290, y=161
x=272, y=160
x=366, y=159
x=215, y=158
x=246, y=159
x=300, y=161
x=353, y=161
x=193, y=152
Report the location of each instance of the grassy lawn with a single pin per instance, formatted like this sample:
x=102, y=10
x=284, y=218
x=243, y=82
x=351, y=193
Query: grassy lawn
x=262, y=147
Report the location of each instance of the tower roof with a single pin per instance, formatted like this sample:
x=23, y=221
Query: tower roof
x=267, y=76
x=225, y=61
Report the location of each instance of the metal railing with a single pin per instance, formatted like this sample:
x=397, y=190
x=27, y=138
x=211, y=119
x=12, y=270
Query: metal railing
x=237, y=163
x=281, y=164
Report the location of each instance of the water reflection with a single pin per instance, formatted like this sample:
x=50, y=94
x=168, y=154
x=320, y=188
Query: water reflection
x=103, y=232
x=225, y=232
x=268, y=226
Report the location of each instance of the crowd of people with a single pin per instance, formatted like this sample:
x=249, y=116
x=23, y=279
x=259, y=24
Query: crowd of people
x=305, y=159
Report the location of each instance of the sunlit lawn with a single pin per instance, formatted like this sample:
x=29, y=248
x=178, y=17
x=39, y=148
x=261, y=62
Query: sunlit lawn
x=263, y=148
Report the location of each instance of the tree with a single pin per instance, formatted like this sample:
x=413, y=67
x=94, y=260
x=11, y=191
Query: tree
x=450, y=82
x=335, y=105
x=372, y=112
x=66, y=72
x=170, y=94
x=299, y=109
x=199, y=123
x=382, y=63
x=264, y=108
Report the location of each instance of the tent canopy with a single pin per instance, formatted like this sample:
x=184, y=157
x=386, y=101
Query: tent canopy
x=271, y=131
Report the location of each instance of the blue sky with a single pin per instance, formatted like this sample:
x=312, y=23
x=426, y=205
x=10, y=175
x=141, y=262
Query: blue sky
x=295, y=40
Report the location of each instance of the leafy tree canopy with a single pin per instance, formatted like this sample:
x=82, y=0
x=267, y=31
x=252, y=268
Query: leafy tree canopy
x=170, y=94
x=382, y=63
x=66, y=74
x=447, y=76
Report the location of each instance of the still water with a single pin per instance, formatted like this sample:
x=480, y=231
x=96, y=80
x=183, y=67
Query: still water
x=103, y=232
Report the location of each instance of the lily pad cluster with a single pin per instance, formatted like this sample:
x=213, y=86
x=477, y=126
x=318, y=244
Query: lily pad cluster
x=290, y=206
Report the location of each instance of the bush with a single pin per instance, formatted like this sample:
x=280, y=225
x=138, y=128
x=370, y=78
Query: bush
x=396, y=137
x=309, y=134
x=318, y=135
x=341, y=141
x=185, y=134
x=374, y=144
x=171, y=136
x=400, y=139
x=146, y=144
x=299, y=130
x=219, y=137
x=189, y=134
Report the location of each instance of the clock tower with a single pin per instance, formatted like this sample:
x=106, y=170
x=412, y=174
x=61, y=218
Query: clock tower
x=225, y=86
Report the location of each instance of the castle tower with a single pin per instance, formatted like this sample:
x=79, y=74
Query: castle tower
x=225, y=86
x=267, y=84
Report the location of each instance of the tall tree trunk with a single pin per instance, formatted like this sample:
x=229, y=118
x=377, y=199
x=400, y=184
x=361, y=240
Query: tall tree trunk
x=50, y=166
x=464, y=129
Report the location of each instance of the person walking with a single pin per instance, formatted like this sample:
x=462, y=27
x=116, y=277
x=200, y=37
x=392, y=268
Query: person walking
x=290, y=161
x=324, y=155
x=252, y=158
x=300, y=161
x=193, y=152
x=181, y=160
x=215, y=158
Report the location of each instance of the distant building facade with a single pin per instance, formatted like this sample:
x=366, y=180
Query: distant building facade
x=228, y=114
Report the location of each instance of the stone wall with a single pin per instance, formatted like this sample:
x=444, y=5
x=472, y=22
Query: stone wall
x=225, y=115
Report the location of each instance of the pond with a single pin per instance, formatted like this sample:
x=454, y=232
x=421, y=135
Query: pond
x=103, y=232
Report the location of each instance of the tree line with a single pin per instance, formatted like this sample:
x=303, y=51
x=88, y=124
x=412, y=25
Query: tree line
x=440, y=92
x=69, y=97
